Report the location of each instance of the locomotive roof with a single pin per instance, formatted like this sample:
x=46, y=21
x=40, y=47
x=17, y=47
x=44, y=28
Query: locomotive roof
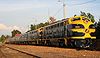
x=56, y=22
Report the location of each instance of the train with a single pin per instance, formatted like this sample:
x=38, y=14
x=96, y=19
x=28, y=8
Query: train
x=76, y=31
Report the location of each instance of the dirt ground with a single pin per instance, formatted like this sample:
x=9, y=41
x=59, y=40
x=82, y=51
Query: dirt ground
x=9, y=53
x=55, y=52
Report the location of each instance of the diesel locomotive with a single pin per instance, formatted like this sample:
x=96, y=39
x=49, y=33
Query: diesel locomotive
x=77, y=31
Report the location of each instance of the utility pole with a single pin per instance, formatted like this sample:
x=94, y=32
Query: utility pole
x=64, y=8
x=36, y=24
x=35, y=21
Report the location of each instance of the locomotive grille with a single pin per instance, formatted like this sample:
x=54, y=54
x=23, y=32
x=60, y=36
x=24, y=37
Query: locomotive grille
x=78, y=34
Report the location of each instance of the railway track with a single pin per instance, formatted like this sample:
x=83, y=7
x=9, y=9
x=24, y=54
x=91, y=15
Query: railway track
x=24, y=52
x=5, y=55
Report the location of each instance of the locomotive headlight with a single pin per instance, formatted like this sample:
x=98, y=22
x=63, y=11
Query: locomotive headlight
x=77, y=26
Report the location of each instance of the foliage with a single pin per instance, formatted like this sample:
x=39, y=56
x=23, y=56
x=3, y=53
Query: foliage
x=90, y=16
x=33, y=27
x=7, y=36
x=14, y=32
x=2, y=38
x=83, y=14
x=46, y=23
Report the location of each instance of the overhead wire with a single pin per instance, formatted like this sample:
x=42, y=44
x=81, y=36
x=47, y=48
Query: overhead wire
x=74, y=5
x=57, y=11
x=85, y=2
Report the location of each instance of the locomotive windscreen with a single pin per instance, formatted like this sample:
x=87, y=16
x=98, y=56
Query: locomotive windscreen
x=92, y=26
x=74, y=19
x=76, y=26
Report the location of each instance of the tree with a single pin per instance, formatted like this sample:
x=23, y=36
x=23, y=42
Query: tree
x=41, y=25
x=90, y=16
x=83, y=14
x=2, y=38
x=98, y=30
x=33, y=27
x=14, y=32
x=7, y=36
x=46, y=23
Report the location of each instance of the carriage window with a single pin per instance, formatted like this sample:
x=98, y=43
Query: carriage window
x=57, y=25
x=51, y=27
x=92, y=26
x=31, y=32
x=61, y=24
x=46, y=28
x=74, y=19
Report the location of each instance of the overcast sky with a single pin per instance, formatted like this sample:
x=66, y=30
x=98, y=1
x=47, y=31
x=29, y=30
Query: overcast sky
x=19, y=14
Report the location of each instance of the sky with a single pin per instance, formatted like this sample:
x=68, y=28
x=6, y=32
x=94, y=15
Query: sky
x=19, y=14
